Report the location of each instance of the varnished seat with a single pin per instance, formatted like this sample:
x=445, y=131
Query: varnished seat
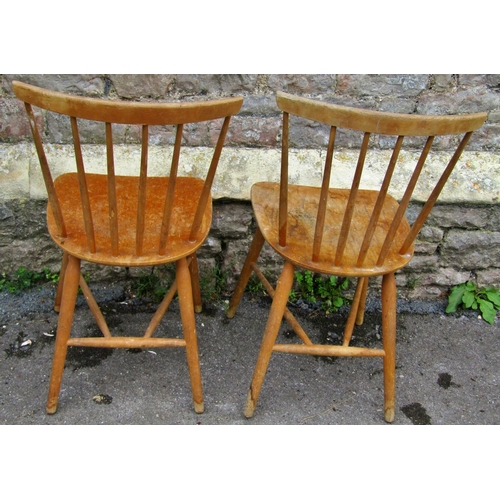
x=117, y=220
x=304, y=200
x=355, y=232
x=187, y=193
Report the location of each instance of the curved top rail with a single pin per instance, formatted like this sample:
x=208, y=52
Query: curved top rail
x=379, y=122
x=139, y=113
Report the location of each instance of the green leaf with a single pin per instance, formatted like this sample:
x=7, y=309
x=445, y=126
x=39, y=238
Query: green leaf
x=455, y=298
x=487, y=310
x=469, y=299
x=470, y=286
x=338, y=302
x=493, y=296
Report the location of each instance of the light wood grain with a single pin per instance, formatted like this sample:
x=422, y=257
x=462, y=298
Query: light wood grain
x=355, y=232
x=127, y=221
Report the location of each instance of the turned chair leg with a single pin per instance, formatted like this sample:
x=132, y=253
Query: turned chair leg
x=67, y=310
x=360, y=316
x=246, y=272
x=195, y=283
x=271, y=332
x=389, y=342
x=185, y=293
x=60, y=286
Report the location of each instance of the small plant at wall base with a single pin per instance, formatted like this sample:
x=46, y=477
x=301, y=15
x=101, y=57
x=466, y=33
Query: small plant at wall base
x=213, y=284
x=328, y=290
x=25, y=279
x=469, y=296
x=255, y=287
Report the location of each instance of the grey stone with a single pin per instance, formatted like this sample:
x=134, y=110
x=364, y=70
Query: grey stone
x=214, y=84
x=471, y=100
x=231, y=221
x=142, y=86
x=210, y=248
x=92, y=85
x=303, y=84
x=382, y=85
x=430, y=234
x=453, y=216
x=471, y=249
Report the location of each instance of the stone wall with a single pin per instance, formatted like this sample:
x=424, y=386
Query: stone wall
x=460, y=240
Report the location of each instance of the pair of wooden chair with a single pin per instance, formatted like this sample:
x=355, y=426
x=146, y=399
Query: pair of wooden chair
x=143, y=221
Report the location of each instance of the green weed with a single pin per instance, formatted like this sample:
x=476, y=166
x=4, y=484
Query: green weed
x=213, y=285
x=24, y=279
x=328, y=290
x=469, y=296
x=254, y=286
x=153, y=285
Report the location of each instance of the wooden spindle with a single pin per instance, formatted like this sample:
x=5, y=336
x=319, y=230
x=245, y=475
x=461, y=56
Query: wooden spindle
x=47, y=176
x=169, y=200
x=283, y=203
x=141, y=207
x=113, y=207
x=403, y=205
x=377, y=209
x=320, y=219
x=351, y=202
x=82, y=183
x=422, y=217
x=207, y=187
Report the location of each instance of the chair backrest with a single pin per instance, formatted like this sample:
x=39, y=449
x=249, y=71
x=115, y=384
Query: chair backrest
x=367, y=123
x=143, y=114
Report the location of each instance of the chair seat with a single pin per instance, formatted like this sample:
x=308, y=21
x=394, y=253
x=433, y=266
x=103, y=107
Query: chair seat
x=187, y=194
x=302, y=212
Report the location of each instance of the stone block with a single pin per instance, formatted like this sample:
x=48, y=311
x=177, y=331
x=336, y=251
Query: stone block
x=382, y=85
x=214, y=85
x=303, y=84
x=489, y=277
x=253, y=131
x=91, y=85
x=14, y=171
x=442, y=83
x=470, y=100
x=423, y=262
x=142, y=86
x=464, y=217
x=14, y=125
x=471, y=249
x=210, y=248
x=231, y=220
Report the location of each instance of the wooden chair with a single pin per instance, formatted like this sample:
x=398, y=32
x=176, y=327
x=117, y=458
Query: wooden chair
x=117, y=220
x=343, y=232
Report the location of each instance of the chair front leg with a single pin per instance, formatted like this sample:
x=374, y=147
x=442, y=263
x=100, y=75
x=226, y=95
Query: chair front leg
x=271, y=332
x=389, y=302
x=71, y=280
x=185, y=293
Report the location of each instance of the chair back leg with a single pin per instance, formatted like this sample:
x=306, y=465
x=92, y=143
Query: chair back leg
x=195, y=283
x=253, y=255
x=60, y=285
